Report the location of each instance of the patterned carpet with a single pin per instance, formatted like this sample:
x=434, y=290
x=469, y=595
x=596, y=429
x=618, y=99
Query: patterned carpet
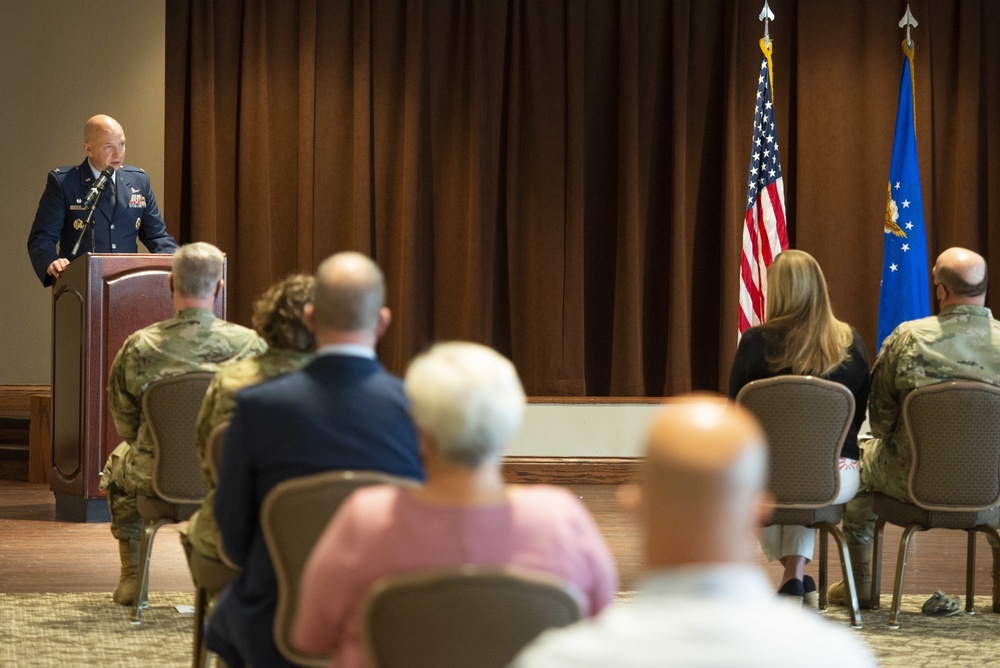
x=962, y=641
x=68, y=630
x=61, y=630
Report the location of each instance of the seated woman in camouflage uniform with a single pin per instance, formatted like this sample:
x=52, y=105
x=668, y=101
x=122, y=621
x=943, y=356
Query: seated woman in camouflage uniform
x=278, y=319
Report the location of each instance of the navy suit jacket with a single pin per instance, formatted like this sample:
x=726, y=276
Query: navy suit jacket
x=116, y=227
x=338, y=412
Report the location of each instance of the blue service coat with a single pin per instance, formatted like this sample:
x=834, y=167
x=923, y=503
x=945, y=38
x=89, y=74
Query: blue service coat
x=338, y=413
x=116, y=228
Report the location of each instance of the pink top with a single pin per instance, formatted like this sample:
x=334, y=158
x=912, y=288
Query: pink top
x=384, y=530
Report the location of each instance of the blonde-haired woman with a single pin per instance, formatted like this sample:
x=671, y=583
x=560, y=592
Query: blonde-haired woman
x=801, y=336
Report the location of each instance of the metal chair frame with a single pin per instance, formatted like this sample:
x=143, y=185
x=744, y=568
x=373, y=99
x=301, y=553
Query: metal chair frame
x=197, y=562
x=785, y=431
x=190, y=388
x=936, y=509
x=293, y=516
x=490, y=613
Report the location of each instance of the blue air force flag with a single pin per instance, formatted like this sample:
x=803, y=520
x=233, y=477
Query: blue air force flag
x=905, y=292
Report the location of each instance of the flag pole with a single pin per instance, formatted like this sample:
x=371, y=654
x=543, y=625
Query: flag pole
x=903, y=292
x=908, y=49
x=906, y=22
x=765, y=234
x=766, y=15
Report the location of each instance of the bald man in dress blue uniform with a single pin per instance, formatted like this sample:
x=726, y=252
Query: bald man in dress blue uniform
x=119, y=219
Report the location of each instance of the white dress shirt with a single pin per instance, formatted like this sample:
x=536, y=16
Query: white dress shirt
x=712, y=615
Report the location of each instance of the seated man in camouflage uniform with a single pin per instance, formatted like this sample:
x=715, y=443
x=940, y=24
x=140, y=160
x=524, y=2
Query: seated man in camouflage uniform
x=193, y=340
x=278, y=319
x=962, y=342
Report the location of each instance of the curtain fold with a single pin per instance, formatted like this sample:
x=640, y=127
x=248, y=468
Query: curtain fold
x=564, y=180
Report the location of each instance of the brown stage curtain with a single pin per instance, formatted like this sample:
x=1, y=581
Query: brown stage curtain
x=565, y=179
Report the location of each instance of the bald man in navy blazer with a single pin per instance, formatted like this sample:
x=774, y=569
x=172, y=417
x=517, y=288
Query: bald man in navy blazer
x=342, y=411
x=118, y=219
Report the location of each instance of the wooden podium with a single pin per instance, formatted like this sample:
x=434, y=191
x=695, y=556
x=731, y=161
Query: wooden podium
x=97, y=302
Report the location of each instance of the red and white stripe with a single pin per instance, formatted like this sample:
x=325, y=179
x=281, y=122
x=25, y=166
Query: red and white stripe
x=764, y=237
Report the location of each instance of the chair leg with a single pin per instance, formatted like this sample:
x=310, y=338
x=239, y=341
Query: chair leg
x=897, y=587
x=970, y=574
x=876, y=594
x=149, y=528
x=845, y=565
x=993, y=538
x=200, y=604
x=823, y=564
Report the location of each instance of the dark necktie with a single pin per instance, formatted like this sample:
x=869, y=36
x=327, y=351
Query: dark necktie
x=114, y=193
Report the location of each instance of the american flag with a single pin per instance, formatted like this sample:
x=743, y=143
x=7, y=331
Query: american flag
x=764, y=234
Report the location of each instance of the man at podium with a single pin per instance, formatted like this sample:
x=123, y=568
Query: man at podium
x=122, y=200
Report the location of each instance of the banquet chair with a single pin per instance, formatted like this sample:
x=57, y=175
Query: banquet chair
x=210, y=575
x=292, y=517
x=463, y=616
x=954, y=482
x=806, y=420
x=170, y=408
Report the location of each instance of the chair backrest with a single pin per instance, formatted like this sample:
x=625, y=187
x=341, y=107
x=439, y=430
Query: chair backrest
x=466, y=616
x=954, y=430
x=806, y=420
x=170, y=407
x=213, y=450
x=293, y=516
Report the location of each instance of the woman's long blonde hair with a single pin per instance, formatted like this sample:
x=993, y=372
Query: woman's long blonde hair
x=798, y=306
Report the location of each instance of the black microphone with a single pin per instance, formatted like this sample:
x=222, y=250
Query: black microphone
x=98, y=187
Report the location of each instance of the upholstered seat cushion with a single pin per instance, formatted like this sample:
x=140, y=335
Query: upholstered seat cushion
x=902, y=513
x=209, y=574
x=153, y=508
x=807, y=516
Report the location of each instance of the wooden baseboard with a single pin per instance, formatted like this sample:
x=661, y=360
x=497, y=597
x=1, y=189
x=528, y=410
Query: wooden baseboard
x=551, y=470
x=33, y=404
x=17, y=398
x=572, y=470
x=40, y=439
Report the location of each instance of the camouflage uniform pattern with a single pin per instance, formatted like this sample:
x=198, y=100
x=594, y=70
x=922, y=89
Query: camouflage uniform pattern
x=220, y=402
x=193, y=340
x=961, y=343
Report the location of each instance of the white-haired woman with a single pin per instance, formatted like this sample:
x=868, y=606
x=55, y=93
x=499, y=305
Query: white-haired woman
x=803, y=337
x=467, y=403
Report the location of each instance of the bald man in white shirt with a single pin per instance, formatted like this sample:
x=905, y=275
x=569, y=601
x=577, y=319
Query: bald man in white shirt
x=702, y=602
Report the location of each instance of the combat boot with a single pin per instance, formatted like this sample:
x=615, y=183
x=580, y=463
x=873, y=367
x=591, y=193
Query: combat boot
x=861, y=565
x=125, y=592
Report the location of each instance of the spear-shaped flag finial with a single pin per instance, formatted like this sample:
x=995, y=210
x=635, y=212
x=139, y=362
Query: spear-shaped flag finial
x=766, y=15
x=906, y=22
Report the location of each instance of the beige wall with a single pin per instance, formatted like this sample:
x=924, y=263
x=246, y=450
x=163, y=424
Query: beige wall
x=62, y=61
x=583, y=430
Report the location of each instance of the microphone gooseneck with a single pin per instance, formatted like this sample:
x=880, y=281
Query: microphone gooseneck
x=98, y=187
